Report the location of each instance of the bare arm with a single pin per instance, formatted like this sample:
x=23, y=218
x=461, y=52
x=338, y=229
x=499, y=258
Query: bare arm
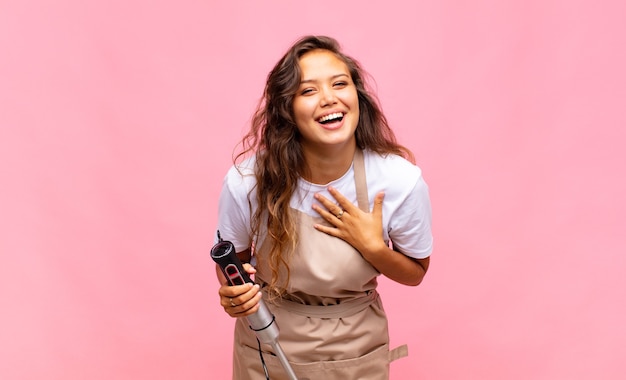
x=398, y=267
x=364, y=232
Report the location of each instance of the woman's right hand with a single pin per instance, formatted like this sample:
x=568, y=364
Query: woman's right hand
x=239, y=300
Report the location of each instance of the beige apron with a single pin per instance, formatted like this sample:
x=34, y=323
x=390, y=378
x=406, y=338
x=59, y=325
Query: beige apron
x=332, y=323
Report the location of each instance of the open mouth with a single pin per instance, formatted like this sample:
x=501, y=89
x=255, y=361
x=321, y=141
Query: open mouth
x=332, y=118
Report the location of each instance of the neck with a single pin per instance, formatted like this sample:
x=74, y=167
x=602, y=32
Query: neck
x=327, y=165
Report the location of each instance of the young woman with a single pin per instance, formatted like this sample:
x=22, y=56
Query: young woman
x=322, y=203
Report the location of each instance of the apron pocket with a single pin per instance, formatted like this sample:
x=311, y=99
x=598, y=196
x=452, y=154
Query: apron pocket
x=371, y=366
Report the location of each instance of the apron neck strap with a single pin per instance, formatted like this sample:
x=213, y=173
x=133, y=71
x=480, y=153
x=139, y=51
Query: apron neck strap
x=360, y=181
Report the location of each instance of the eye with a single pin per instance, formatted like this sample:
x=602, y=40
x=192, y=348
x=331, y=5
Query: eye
x=306, y=91
x=341, y=84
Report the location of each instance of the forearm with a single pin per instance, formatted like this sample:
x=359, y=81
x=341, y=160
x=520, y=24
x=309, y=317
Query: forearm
x=397, y=266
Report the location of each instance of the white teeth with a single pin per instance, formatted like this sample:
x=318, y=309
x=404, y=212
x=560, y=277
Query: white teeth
x=335, y=115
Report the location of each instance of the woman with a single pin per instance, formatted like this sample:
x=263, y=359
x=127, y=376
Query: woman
x=306, y=210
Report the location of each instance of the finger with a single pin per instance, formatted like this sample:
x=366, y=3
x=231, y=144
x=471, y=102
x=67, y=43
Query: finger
x=234, y=290
x=327, y=215
x=325, y=202
x=378, y=205
x=332, y=207
x=228, y=302
x=331, y=213
x=328, y=230
x=231, y=300
x=239, y=308
x=248, y=307
x=343, y=202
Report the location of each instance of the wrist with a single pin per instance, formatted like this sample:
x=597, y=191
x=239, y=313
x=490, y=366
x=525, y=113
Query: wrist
x=374, y=250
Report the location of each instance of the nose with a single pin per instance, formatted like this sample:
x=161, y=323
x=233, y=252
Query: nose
x=328, y=97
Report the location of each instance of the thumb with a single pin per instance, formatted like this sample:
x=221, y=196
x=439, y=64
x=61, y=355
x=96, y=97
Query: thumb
x=378, y=204
x=249, y=268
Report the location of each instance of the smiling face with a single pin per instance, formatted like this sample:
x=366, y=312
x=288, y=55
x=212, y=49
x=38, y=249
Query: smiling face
x=326, y=106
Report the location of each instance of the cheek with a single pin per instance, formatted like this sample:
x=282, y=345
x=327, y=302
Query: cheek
x=302, y=109
x=356, y=100
x=351, y=98
x=353, y=103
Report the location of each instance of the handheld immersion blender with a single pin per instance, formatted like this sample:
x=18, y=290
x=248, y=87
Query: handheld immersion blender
x=262, y=322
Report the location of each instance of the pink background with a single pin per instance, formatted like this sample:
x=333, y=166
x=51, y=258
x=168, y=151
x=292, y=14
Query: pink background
x=118, y=120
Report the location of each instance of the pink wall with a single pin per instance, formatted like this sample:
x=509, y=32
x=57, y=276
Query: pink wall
x=117, y=123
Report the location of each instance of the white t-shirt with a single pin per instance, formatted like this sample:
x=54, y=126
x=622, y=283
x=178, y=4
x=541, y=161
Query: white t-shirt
x=406, y=206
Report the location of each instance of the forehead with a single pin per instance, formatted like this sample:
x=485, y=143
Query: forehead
x=318, y=64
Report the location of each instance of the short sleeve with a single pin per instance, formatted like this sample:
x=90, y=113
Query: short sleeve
x=233, y=221
x=410, y=226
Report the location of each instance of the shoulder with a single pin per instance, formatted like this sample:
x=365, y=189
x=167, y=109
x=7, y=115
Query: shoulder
x=241, y=175
x=391, y=163
x=391, y=173
x=235, y=204
x=406, y=208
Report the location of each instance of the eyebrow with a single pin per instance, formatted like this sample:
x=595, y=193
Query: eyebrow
x=333, y=77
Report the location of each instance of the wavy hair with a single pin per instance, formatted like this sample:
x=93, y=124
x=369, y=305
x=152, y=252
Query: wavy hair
x=274, y=138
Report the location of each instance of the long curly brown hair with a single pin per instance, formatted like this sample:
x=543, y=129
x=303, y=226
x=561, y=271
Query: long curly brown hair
x=275, y=140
